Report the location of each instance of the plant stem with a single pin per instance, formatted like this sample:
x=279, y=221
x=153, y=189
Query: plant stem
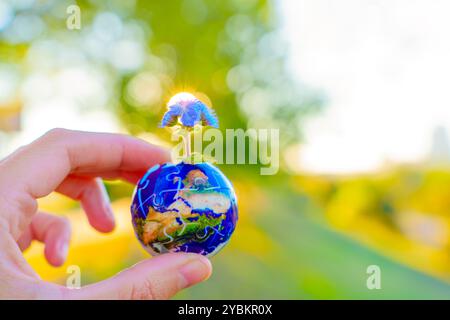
x=187, y=142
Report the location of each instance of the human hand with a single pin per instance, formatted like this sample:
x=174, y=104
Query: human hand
x=72, y=163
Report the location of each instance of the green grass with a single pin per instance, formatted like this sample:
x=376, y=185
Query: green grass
x=310, y=262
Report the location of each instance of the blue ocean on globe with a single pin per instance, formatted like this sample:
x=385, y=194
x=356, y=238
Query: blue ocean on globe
x=184, y=208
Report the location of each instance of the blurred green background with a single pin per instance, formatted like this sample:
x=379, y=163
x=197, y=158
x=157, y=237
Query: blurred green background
x=300, y=235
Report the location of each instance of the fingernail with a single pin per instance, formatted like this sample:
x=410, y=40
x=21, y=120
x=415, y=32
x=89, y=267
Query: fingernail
x=108, y=210
x=63, y=248
x=195, y=270
x=106, y=201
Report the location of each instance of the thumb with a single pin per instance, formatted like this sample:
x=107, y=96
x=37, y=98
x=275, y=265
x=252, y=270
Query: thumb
x=156, y=278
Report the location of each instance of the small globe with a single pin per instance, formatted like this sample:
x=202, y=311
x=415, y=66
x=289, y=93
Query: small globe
x=184, y=208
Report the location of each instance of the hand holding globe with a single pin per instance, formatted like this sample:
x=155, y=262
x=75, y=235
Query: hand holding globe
x=189, y=206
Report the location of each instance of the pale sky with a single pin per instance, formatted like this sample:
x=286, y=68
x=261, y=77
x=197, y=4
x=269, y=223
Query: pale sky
x=385, y=68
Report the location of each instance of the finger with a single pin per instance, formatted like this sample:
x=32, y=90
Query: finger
x=61, y=152
x=130, y=176
x=94, y=200
x=157, y=278
x=53, y=231
x=25, y=240
x=37, y=169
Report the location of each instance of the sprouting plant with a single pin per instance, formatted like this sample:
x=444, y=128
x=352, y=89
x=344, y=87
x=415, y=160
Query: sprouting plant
x=185, y=112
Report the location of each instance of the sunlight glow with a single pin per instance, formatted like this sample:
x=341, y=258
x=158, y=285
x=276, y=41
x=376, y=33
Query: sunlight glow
x=386, y=80
x=181, y=98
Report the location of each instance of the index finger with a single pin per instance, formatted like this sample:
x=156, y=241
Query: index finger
x=41, y=166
